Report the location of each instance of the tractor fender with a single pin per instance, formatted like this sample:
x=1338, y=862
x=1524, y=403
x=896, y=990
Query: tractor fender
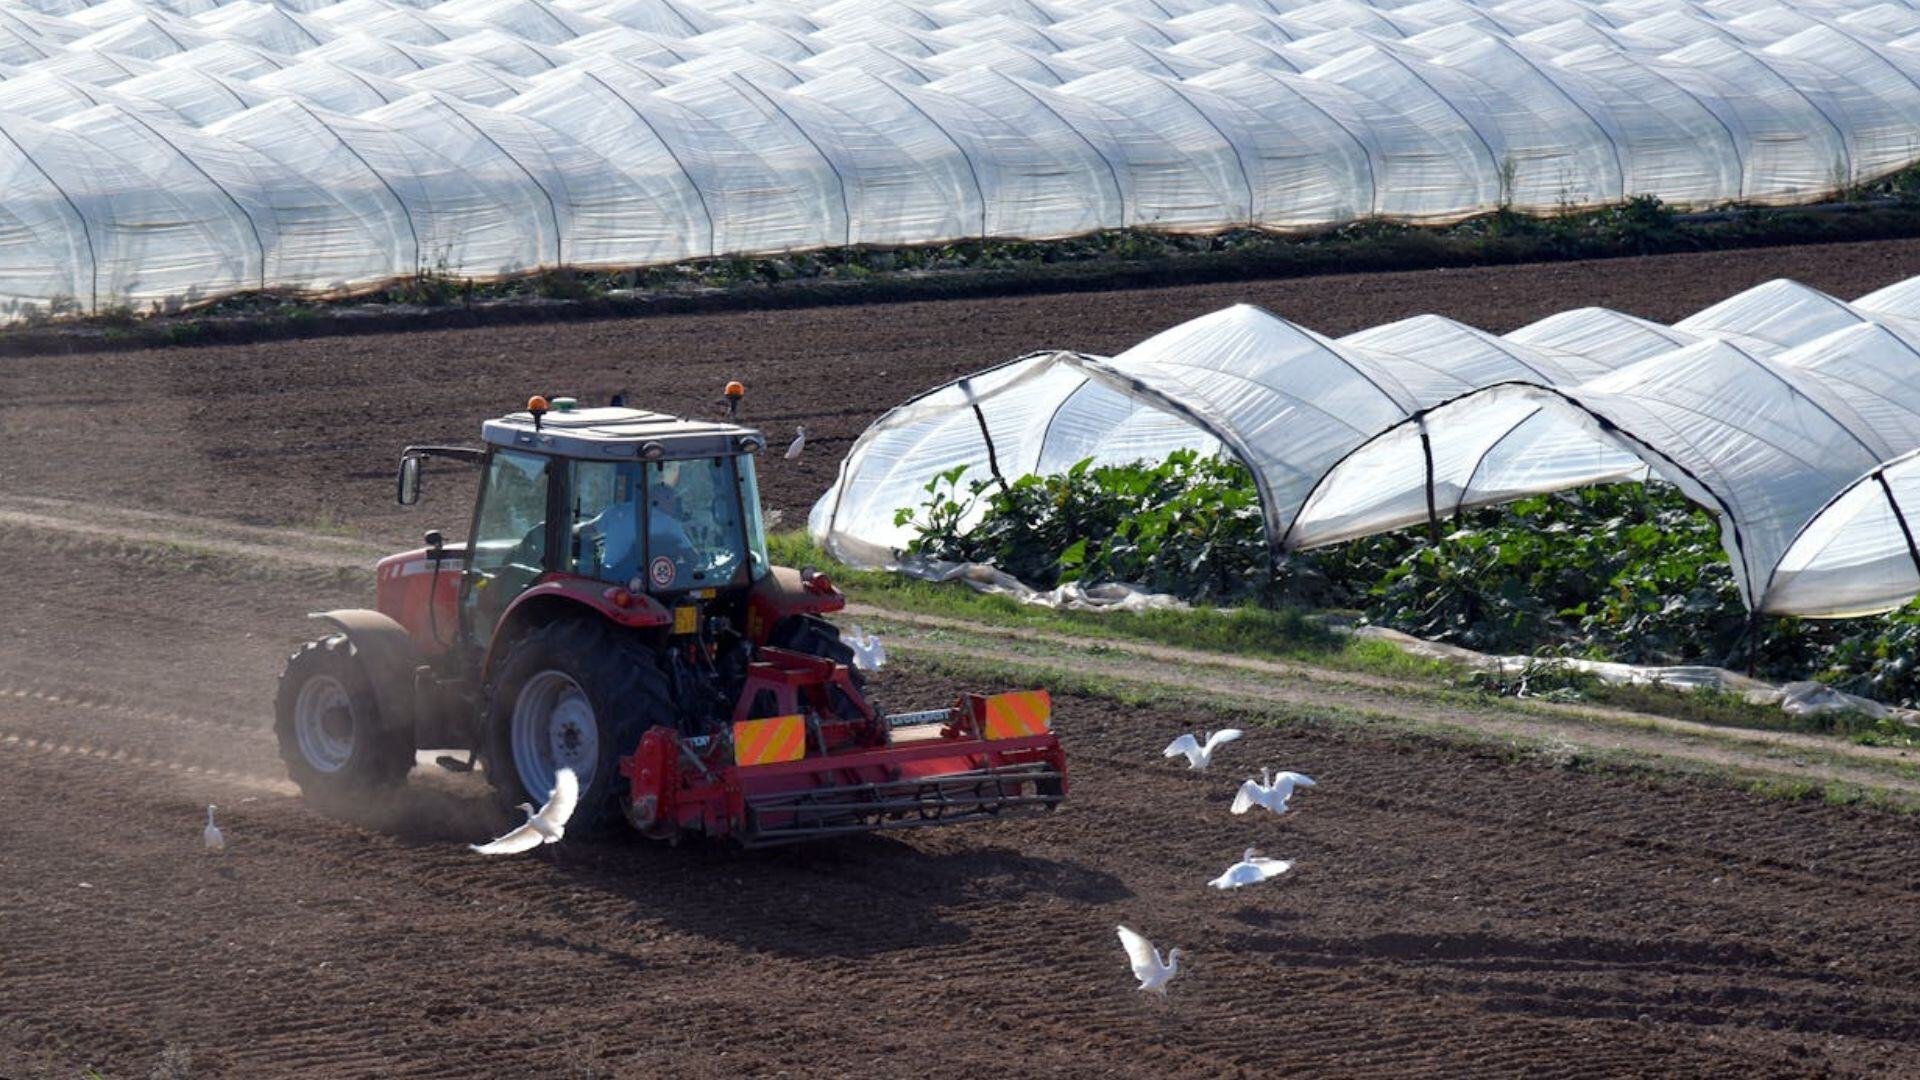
x=561, y=595
x=781, y=594
x=388, y=654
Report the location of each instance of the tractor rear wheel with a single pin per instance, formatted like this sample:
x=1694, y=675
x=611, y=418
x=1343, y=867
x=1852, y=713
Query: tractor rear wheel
x=577, y=694
x=329, y=726
x=815, y=636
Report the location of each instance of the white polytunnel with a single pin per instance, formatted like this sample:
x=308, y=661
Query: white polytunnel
x=1285, y=400
x=1759, y=441
x=1773, y=316
x=1414, y=421
x=810, y=124
x=1858, y=555
x=1901, y=300
x=1607, y=338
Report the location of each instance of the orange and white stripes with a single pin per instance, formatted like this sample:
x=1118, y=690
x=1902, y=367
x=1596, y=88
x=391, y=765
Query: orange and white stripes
x=1017, y=715
x=771, y=741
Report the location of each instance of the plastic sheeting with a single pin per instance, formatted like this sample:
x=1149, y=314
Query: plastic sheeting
x=1859, y=555
x=1795, y=698
x=1767, y=407
x=761, y=128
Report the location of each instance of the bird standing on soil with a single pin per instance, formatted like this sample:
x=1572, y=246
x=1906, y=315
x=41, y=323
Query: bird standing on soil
x=211, y=837
x=1252, y=869
x=868, y=653
x=544, y=826
x=1153, y=972
x=1269, y=791
x=799, y=442
x=1199, y=752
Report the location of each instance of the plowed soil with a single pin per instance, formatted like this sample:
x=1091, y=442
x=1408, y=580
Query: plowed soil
x=305, y=432
x=1450, y=912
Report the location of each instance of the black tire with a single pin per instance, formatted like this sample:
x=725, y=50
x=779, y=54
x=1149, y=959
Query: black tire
x=815, y=636
x=347, y=750
x=620, y=677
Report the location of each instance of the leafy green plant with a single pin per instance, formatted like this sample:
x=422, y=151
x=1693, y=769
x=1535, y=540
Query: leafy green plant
x=1190, y=525
x=1628, y=572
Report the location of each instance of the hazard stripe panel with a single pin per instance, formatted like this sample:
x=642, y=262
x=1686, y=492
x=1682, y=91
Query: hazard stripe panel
x=1017, y=715
x=771, y=741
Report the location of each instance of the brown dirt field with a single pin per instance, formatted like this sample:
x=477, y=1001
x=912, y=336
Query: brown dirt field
x=305, y=433
x=1452, y=912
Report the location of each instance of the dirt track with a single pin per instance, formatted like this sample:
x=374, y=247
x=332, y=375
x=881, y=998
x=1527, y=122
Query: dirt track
x=1451, y=913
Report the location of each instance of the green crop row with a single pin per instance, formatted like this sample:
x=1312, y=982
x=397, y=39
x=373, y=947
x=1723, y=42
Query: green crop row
x=1628, y=572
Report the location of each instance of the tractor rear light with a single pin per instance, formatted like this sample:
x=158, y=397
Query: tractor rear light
x=819, y=584
x=618, y=597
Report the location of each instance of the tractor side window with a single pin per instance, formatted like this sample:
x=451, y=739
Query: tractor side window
x=511, y=531
x=606, y=520
x=756, y=526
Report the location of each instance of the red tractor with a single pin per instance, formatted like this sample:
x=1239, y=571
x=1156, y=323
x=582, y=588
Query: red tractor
x=615, y=613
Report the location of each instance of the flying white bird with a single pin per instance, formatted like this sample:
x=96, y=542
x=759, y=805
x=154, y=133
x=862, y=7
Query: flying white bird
x=211, y=836
x=1252, y=869
x=1153, y=972
x=799, y=442
x=868, y=653
x=1199, y=755
x=1269, y=791
x=544, y=826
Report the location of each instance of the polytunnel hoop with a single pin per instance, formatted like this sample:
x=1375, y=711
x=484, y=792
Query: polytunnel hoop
x=252, y=225
x=840, y=181
x=1619, y=158
x=713, y=228
x=553, y=209
x=406, y=212
x=973, y=170
x=86, y=232
x=1638, y=445
x=1119, y=191
x=1906, y=531
x=1093, y=369
x=1878, y=475
x=1846, y=150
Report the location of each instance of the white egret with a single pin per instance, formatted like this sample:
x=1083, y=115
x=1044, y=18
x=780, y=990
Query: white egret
x=543, y=826
x=1271, y=791
x=1153, y=972
x=1252, y=869
x=211, y=837
x=1199, y=752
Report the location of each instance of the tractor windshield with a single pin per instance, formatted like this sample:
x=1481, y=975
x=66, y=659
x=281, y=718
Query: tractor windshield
x=700, y=522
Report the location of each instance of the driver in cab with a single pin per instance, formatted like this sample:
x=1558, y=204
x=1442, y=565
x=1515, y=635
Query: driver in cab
x=618, y=525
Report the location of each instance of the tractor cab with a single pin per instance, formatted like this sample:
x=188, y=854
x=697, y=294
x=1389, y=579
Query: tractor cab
x=643, y=502
x=614, y=613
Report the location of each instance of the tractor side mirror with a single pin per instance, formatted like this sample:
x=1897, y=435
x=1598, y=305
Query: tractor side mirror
x=407, y=484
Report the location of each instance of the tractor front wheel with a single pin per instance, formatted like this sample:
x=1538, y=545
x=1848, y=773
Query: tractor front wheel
x=329, y=726
x=574, y=694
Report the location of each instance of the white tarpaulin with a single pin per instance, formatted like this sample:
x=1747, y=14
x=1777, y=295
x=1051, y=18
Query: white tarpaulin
x=522, y=134
x=1768, y=406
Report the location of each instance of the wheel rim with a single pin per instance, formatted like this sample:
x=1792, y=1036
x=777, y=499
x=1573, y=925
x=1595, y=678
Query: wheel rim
x=553, y=728
x=323, y=724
